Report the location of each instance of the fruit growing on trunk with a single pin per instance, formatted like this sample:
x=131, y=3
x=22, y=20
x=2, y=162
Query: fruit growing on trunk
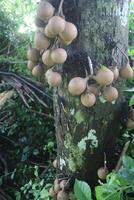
x=54, y=79
x=40, y=41
x=88, y=99
x=46, y=58
x=104, y=76
x=59, y=55
x=77, y=85
x=56, y=25
x=33, y=55
x=30, y=65
x=110, y=93
x=38, y=71
x=126, y=72
x=45, y=10
x=102, y=173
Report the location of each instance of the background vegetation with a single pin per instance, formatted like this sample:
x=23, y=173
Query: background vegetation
x=27, y=142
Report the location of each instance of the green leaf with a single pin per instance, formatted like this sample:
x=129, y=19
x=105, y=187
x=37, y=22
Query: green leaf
x=44, y=194
x=82, y=190
x=131, y=102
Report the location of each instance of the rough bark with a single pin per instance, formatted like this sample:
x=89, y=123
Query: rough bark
x=98, y=21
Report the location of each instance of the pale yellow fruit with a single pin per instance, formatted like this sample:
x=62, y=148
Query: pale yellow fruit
x=126, y=72
x=45, y=10
x=54, y=79
x=56, y=25
x=64, y=184
x=88, y=99
x=30, y=65
x=110, y=93
x=40, y=41
x=56, y=188
x=33, y=54
x=48, y=33
x=63, y=42
x=102, y=173
x=38, y=71
x=70, y=32
x=77, y=86
x=104, y=76
x=46, y=58
x=59, y=55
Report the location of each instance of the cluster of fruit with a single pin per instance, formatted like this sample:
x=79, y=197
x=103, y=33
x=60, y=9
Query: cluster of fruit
x=104, y=78
x=60, y=189
x=46, y=55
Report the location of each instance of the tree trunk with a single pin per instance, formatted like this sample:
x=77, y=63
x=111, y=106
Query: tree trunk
x=85, y=135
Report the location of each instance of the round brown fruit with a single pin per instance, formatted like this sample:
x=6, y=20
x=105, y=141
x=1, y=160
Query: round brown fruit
x=88, y=99
x=56, y=25
x=55, y=162
x=52, y=193
x=115, y=71
x=110, y=93
x=54, y=79
x=70, y=32
x=40, y=41
x=46, y=58
x=33, y=54
x=126, y=72
x=62, y=195
x=45, y=10
x=102, y=173
x=77, y=85
x=48, y=33
x=130, y=123
x=64, y=184
x=38, y=71
x=59, y=55
x=30, y=65
x=104, y=76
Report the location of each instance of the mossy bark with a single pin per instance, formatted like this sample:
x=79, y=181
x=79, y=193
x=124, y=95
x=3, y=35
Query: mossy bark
x=79, y=129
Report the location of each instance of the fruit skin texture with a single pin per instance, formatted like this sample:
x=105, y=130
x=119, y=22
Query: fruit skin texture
x=56, y=25
x=88, y=99
x=30, y=65
x=126, y=72
x=41, y=42
x=33, y=54
x=77, y=86
x=59, y=55
x=104, y=76
x=130, y=123
x=52, y=193
x=70, y=32
x=38, y=71
x=110, y=93
x=46, y=58
x=48, y=33
x=57, y=188
x=45, y=10
x=54, y=79
x=62, y=196
x=102, y=173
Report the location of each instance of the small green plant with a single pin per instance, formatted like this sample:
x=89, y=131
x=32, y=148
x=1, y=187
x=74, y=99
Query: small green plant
x=118, y=186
